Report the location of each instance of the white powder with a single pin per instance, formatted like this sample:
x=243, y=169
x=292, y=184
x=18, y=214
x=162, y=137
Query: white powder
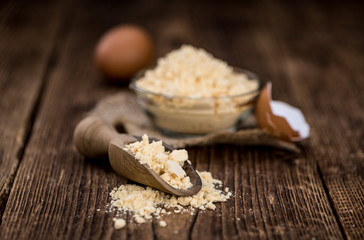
x=139, y=219
x=201, y=94
x=167, y=164
x=189, y=71
x=146, y=202
x=162, y=223
x=119, y=223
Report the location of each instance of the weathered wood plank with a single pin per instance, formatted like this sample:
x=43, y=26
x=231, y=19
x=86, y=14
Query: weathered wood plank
x=281, y=196
x=323, y=67
x=57, y=192
x=27, y=38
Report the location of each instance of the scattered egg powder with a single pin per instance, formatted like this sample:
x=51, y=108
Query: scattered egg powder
x=167, y=164
x=119, y=223
x=193, y=72
x=146, y=202
x=162, y=223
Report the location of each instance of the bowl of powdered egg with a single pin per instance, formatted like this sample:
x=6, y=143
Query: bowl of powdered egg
x=191, y=92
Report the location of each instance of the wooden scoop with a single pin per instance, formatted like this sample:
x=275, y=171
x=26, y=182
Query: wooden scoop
x=95, y=138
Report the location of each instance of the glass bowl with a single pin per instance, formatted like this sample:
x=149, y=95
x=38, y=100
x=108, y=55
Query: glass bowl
x=196, y=115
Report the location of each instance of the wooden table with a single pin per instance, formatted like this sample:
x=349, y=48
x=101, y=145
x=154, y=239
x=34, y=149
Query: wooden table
x=312, y=52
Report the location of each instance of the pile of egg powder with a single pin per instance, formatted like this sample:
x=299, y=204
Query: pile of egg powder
x=167, y=164
x=193, y=72
x=146, y=202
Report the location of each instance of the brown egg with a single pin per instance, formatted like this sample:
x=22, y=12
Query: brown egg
x=279, y=118
x=123, y=51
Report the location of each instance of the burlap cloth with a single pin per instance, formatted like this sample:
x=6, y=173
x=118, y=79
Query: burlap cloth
x=123, y=111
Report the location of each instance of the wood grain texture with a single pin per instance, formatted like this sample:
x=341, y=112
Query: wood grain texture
x=56, y=191
x=282, y=196
x=26, y=44
x=332, y=77
x=318, y=194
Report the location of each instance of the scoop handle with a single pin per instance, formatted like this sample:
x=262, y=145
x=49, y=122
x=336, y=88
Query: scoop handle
x=93, y=135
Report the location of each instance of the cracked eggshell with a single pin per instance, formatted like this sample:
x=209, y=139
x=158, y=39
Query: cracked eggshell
x=279, y=118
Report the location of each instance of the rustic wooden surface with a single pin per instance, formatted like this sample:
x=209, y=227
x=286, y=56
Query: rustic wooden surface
x=313, y=52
